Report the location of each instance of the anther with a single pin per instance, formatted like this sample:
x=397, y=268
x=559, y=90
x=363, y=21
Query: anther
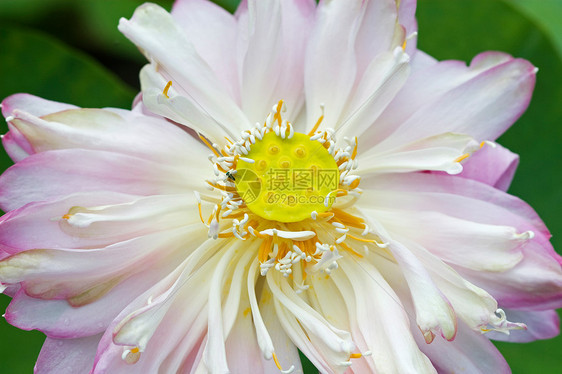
x=288, y=371
x=131, y=356
x=165, y=92
x=462, y=157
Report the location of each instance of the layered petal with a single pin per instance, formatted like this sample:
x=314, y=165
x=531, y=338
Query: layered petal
x=331, y=66
x=535, y=279
x=442, y=152
x=54, y=174
x=481, y=100
x=383, y=78
x=541, y=324
x=380, y=319
x=154, y=31
x=285, y=350
x=272, y=42
x=171, y=315
x=455, y=240
x=83, y=276
x=112, y=130
x=213, y=33
x=377, y=33
x=37, y=225
x=328, y=347
x=493, y=165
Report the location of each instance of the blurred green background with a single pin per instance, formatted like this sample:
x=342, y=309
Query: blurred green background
x=71, y=51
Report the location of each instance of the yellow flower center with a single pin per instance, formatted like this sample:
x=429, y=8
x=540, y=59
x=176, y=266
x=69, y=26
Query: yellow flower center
x=289, y=178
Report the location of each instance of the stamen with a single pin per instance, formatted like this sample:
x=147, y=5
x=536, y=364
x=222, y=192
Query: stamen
x=288, y=371
x=198, y=197
x=131, y=356
x=277, y=115
x=223, y=235
x=165, y=92
x=209, y=145
x=265, y=248
x=318, y=122
x=283, y=226
x=411, y=36
x=293, y=235
x=462, y=157
x=525, y=235
x=354, y=153
x=349, y=249
x=361, y=239
x=491, y=144
x=359, y=355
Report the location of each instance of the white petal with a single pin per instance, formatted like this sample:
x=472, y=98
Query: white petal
x=156, y=33
x=381, y=319
x=330, y=68
x=434, y=313
x=285, y=349
x=334, y=345
x=214, y=354
x=384, y=76
x=273, y=65
x=212, y=31
x=264, y=339
x=461, y=242
x=376, y=34
x=180, y=107
x=441, y=153
x=481, y=100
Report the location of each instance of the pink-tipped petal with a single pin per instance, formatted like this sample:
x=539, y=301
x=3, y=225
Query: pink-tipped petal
x=536, y=279
x=481, y=100
x=62, y=356
x=381, y=319
x=377, y=31
x=54, y=174
x=34, y=105
x=156, y=33
x=541, y=324
x=39, y=224
x=113, y=130
x=493, y=165
x=16, y=145
x=273, y=42
x=330, y=66
x=212, y=30
x=470, y=352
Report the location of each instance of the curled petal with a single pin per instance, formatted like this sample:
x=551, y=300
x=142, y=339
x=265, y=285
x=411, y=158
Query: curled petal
x=156, y=33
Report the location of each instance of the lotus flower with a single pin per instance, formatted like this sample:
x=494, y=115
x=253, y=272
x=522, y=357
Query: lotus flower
x=293, y=177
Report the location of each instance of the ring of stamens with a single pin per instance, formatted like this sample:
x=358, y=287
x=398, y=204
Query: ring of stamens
x=308, y=234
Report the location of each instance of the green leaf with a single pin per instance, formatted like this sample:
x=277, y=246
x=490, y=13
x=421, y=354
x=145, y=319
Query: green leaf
x=546, y=15
x=35, y=63
x=19, y=349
